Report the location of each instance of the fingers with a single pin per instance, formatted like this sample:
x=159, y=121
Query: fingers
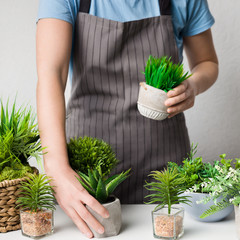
x=87, y=217
x=178, y=90
x=180, y=107
x=94, y=205
x=179, y=98
x=81, y=225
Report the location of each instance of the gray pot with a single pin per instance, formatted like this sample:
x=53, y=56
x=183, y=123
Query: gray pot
x=196, y=210
x=151, y=102
x=112, y=225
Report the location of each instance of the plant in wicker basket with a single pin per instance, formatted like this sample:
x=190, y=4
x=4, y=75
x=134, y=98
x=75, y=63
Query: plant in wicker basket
x=101, y=188
x=19, y=140
x=37, y=203
x=167, y=216
x=161, y=76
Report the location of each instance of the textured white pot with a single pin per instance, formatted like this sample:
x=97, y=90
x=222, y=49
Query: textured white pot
x=237, y=220
x=151, y=102
x=112, y=225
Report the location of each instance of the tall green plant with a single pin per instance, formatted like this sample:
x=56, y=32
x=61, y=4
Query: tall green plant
x=163, y=74
x=89, y=153
x=167, y=188
x=19, y=137
x=101, y=187
x=37, y=194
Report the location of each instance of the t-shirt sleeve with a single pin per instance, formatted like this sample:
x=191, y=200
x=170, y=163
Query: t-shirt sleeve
x=59, y=9
x=199, y=18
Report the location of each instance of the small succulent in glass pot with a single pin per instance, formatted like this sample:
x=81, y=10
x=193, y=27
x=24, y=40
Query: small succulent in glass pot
x=37, y=205
x=101, y=187
x=167, y=216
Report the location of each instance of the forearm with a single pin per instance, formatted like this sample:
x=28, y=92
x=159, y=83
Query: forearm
x=204, y=76
x=51, y=120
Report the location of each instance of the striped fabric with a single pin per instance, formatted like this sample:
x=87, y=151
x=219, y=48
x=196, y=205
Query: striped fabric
x=108, y=59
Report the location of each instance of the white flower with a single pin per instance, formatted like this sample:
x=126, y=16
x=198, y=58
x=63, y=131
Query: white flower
x=232, y=199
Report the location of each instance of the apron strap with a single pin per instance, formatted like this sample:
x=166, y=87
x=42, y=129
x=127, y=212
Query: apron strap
x=165, y=6
x=84, y=6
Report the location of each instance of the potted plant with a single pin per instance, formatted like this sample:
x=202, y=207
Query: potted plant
x=195, y=172
x=227, y=187
x=167, y=217
x=19, y=141
x=101, y=187
x=37, y=205
x=86, y=153
x=161, y=75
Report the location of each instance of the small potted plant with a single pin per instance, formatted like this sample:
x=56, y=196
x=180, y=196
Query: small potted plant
x=19, y=141
x=195, y=172
x=167, y=217
x=226, y=187
x=101, y=187
x=37, y=205
x=161, y=75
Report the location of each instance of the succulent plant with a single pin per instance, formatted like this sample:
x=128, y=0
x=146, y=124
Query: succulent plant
x=101, y=187
x=37, y=194
x=167, y=188
x=88, y=153
x=163, y=74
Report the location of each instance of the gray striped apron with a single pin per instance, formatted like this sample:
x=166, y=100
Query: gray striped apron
x=108, y=58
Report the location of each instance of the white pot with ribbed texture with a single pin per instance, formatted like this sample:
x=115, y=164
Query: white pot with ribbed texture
x=151, y=102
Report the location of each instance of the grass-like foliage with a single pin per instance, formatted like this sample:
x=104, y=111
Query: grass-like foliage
x=37, y=194
x=163, y=74
x=101, y=187
x=167, y=188
x=19, y=137
x=89, y=153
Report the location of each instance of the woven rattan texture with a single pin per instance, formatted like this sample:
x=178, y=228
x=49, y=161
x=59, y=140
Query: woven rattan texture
x=9, y=214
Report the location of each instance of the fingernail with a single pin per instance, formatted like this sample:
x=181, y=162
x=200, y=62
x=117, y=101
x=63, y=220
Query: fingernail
x=101, y=230
x=106, y=215
x=89, y=235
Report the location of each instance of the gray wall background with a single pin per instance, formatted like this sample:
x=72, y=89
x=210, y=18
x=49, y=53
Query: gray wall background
x=213, y=123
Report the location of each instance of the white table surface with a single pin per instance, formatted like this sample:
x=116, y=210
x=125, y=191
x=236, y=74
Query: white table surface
x=137, y=225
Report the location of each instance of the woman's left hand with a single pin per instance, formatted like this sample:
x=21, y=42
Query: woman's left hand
x=181, y=98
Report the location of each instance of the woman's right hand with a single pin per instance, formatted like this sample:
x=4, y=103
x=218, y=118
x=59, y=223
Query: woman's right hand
x=72, y=198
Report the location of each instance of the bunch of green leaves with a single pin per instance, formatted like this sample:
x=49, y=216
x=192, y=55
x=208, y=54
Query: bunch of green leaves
x=37, y=194
x=167, y=188
x=19, y=171
x=89, y=153
x=195, y=171
x=225, y=186
x=19, y=137
x=163, y=74
x=101, y=187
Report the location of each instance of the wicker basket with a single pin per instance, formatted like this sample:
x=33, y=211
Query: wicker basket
x=9, y=214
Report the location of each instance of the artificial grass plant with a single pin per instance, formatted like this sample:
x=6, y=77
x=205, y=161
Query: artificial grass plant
x=163, y=74
x=19, y=140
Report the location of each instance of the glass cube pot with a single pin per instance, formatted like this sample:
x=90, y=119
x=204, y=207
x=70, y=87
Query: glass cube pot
x=168, y=226
x=36, y=224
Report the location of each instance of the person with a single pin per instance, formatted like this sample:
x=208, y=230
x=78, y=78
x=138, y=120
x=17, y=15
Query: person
x=107, y=44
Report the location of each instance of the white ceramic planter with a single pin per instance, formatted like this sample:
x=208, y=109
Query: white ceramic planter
x=112, y=225
x=237, y=220
x=196, y=210
x=151, y=102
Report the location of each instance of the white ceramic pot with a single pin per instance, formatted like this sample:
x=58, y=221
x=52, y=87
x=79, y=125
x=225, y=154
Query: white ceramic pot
x=112, y=225
x=151, y=102
x=237, y=220
x=196, y=210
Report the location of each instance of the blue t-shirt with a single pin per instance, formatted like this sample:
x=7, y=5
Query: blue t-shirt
x=190, y=17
